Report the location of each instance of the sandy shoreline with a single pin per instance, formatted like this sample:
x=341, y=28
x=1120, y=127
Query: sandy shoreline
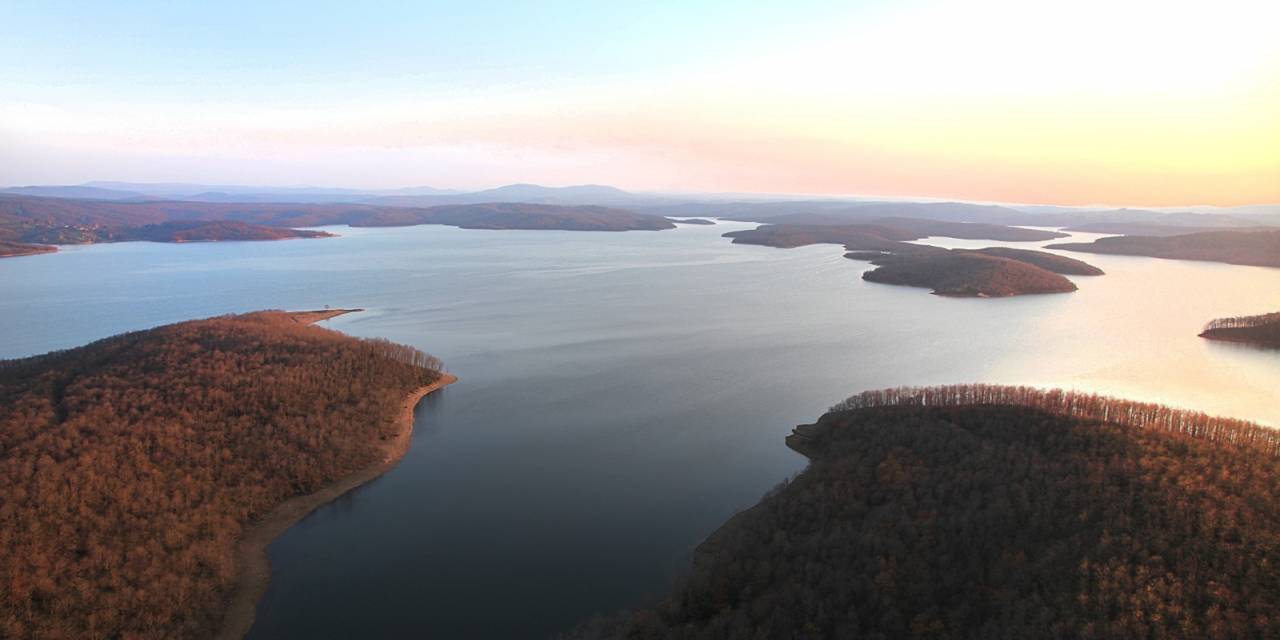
x=251, y=550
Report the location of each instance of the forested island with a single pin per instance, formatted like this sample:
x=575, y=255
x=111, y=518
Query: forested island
x=986, y=273
x=701, y=221
x=980, y=511
x=133, y=467
x=29, y=222
x=962, y=273
x=1261, y=330
x=1259, y=248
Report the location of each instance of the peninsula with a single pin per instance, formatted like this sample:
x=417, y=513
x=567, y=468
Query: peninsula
x=145, y=473
x=1259, y=248
x=980, y=511
x=1261, y=330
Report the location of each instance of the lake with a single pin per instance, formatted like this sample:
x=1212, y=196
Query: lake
x=620, y=394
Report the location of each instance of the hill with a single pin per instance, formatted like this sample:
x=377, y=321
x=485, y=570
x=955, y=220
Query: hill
x=130, y=467
x=1262, y=331
x=1256, y=248
x=995, y=512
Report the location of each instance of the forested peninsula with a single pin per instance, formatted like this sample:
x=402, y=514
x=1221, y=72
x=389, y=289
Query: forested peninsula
x=980, y=511
x=1259, y=248
x=131, y=468
x=1261, y=330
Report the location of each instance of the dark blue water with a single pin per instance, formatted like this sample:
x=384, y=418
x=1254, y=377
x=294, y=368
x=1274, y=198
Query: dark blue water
x=620, y=394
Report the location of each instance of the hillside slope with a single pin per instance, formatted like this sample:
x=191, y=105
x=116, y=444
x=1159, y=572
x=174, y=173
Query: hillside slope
x=995, y=512
x=129, y=467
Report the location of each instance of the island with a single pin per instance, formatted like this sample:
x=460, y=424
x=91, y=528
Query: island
x=1260, y=248
x=37, y=220
x=1261, y=330
x=701, y=221
x=992, y=272
x=961, y=273
x=144, y=474
x=983, y=511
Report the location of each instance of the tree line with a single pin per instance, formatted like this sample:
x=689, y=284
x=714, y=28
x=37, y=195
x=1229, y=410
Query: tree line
x=1244, y=322
x=1077, y=404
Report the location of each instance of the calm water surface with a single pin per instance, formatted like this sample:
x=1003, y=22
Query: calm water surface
x=620, y=394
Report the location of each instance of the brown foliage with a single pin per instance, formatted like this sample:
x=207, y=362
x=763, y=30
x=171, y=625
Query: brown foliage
x=981, y=511
x=128, y=467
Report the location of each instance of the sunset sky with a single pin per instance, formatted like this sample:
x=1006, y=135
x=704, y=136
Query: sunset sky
x=1069, y=102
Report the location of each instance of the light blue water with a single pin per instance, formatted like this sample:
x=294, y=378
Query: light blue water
x=620, y=394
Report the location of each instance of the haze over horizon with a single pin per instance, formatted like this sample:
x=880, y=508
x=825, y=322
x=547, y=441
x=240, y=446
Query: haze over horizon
x=1137, y=103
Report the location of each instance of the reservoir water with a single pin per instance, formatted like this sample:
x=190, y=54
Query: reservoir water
x=620, y=394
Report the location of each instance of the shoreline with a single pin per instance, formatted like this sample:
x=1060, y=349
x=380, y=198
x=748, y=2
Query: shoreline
x=254, y=567
x=1252, y=342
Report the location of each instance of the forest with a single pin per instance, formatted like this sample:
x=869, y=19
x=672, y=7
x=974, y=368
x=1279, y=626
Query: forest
x=1258, y=247
x=1261, y=330
x=130, y=466
x=983, y=511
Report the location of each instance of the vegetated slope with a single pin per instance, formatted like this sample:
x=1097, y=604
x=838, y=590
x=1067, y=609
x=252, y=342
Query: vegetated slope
x=129, y=467
x=1257, y=248
x=964, y=274
x=995, y=512
x=1262, y=330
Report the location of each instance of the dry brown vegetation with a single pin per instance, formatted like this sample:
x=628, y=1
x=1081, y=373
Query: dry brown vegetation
x=978, y=511
x=130, y=466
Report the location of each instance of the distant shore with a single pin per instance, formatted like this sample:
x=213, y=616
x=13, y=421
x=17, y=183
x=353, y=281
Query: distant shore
x=251, y=551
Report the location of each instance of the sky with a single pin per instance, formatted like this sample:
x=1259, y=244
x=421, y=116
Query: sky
x=1132, y=102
